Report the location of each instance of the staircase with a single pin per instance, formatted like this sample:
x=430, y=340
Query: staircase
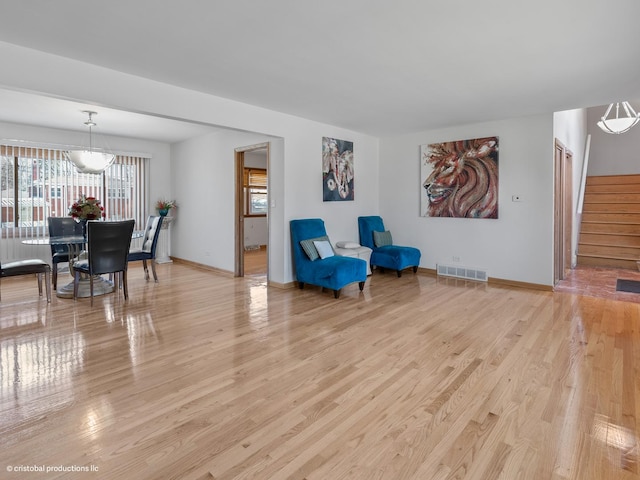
x=610, y=230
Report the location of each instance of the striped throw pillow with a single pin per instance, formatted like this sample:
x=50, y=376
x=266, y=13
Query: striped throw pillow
x=310, y=249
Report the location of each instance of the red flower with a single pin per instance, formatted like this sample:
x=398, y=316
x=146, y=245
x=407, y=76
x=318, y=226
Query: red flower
x=87, y=208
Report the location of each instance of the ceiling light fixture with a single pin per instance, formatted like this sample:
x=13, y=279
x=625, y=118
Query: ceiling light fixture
x=90, y=161
x=619, y=124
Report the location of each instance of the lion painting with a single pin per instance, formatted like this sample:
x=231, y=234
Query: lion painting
x=461, y=179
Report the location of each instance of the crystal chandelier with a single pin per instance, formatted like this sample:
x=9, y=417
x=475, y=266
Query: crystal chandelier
x=90, y=161
x=619, y=124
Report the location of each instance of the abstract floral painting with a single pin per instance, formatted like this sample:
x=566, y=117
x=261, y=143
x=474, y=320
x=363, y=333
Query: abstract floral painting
x=460, y=179
x=337, y=170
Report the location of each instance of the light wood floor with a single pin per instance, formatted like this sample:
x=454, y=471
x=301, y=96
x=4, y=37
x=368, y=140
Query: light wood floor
x=206, y=377
x=255, y=261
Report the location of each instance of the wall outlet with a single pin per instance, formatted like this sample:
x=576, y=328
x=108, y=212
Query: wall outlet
x=456, y=259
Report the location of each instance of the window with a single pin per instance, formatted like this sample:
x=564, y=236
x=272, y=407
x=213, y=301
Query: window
x=36, y=183
x=119, y=193
x=255, y=188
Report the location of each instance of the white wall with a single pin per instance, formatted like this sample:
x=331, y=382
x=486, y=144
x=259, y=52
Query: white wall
x=519, y=244
x=204, y=179
x=256, y=231
x=612, y=154
x=203, y=172
x=295, y=168
x=570, y=127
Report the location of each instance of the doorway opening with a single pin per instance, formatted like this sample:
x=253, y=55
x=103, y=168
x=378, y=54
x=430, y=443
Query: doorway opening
x=251, y=210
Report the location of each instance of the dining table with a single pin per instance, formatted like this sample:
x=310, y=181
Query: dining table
x=76, y=244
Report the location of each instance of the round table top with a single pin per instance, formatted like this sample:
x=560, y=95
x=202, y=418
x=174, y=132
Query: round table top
x=68, y=239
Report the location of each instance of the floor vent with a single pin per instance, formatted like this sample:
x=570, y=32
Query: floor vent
x=463, y=272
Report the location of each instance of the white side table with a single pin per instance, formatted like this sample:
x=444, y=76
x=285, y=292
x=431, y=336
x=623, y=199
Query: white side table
x=361, y=252
x=163, y=249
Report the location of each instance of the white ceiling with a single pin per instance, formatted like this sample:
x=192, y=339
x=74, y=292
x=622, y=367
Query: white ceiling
x=373, y=66
x=29, y=109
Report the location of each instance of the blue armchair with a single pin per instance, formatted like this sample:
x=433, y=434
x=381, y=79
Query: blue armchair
x=332, y=271
x=385, y=254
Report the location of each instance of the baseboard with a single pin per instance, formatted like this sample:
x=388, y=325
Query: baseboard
x=501, y=282
x=282, y=286
x=201, y=266
x=432, y=272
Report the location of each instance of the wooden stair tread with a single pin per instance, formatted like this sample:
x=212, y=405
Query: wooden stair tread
x=616, y=257
x=612, y=234
x=608, y=262
x=612, y=179
x=614, y=245
x=608, y=250
x=602, y=238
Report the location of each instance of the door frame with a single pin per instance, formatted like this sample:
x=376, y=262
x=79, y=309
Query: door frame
x=238, y=268
x=563, y=211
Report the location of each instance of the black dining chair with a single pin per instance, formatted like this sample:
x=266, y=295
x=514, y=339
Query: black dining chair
x=148, y=249
x=29, y=267
x=108, y=248
x=61, y=227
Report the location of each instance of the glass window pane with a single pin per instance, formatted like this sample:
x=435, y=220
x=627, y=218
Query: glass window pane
x=258, y=201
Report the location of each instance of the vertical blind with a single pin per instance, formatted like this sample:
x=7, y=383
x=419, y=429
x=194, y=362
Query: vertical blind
x=36, y=183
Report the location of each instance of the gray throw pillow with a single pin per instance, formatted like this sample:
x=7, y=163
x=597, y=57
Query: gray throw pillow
x=382, y=239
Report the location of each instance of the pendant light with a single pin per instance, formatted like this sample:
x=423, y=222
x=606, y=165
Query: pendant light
x=619, y=124
x=91, y=160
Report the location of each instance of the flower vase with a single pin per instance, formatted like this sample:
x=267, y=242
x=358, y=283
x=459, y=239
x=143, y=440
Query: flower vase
x=83, y=222
x=163, y=212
